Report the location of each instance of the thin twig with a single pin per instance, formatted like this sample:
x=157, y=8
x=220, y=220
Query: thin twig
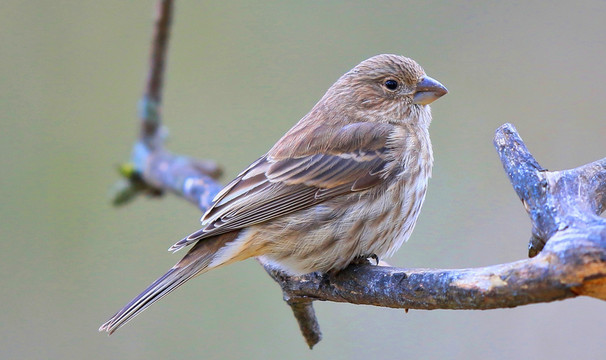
x=152, y=169
x=149, y=106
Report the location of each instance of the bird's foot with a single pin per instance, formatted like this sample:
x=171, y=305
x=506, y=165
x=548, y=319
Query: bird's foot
x=364, y=260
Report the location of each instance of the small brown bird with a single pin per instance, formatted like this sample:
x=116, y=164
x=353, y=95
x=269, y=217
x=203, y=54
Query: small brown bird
x=347, y=181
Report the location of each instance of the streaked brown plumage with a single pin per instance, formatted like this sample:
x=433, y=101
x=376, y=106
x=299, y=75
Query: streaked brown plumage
x=347, y=181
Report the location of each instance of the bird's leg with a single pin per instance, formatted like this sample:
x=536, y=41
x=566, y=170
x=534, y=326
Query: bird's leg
x=365, y=259
x=375, y=258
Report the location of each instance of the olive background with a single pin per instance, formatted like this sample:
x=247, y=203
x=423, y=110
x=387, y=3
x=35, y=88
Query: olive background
x=239, y=75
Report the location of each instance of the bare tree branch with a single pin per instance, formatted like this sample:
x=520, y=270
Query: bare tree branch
x=554, y=200
x=567, y=246
x=152, y=169
x=564, y=208
x=149, y=107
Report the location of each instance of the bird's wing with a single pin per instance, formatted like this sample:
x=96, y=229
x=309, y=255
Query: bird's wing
x=272, y=187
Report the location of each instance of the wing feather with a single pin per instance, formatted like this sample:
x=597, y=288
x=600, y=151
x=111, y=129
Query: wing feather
x=273, y=187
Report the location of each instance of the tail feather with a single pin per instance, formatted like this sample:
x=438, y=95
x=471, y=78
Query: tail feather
x=194, y=263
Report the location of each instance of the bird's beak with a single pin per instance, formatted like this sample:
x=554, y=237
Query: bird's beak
x=428, y=91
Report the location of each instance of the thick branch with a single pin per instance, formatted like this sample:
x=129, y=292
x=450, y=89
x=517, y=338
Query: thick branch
x=564, y=208
x=304, y=312
x=554, y=200
x=553, y=275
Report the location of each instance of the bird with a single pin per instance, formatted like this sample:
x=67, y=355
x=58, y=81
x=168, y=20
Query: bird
x=346, y=182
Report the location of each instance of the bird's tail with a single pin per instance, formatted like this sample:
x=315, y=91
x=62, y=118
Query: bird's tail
x=196, y=262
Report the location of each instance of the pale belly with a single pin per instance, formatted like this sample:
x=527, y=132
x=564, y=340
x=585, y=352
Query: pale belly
x=329, y=236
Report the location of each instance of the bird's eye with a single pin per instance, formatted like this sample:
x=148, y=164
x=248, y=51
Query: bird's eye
x=391, y=84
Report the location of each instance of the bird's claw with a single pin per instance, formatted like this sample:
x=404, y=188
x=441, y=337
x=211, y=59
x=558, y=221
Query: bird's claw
x=375, y=258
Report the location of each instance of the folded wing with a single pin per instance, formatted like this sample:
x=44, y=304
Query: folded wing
x=272, y=187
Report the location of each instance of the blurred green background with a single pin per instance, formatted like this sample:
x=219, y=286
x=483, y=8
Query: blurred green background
x=239, y=75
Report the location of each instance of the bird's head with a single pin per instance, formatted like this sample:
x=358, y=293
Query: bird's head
x=385, y=88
